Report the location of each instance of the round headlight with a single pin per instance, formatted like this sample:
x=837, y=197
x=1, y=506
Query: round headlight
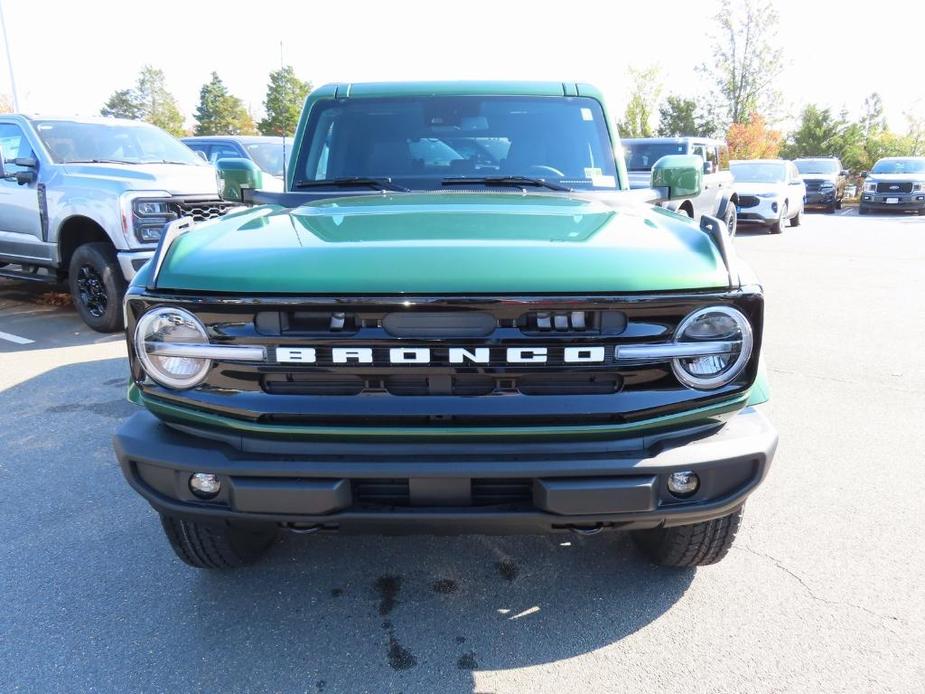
x=720, y=325
x=156, y=331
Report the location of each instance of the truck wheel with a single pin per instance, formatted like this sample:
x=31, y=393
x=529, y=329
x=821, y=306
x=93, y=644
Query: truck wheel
x=796, y=219
x=863, y=210
x=730, y=219
x=97, y=286
x=778, y=226
x=206, y=546
x=699, y=544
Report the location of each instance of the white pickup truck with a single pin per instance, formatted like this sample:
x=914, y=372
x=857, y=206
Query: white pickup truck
x=86, y=200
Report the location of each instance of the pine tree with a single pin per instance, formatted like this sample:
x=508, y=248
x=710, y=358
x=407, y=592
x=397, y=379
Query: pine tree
x=149, y=101
x=285, y=96
x=221, y=113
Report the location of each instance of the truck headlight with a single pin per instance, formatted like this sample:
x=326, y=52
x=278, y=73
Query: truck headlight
x=870, y=187
x=162, y=328
x=145, y=214
x=825, y=185
x=918, y=187
x=718, y=325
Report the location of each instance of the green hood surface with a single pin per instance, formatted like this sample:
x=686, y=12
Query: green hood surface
x=445, y=242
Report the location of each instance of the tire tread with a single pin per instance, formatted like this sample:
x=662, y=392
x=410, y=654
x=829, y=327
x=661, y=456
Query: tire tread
x=699, y=544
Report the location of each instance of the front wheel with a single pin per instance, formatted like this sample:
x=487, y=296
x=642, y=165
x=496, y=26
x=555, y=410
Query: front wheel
x=97, y=286
x=699, y=544
x=205, y=546
x=730, y=219
x=797, y=219
x=778, y=226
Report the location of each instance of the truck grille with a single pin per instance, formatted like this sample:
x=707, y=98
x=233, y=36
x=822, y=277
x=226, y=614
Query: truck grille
x=482, y=492
x=746, y=201
x=812, y=186
x=200, y=209
x=305, y=379
x=905, y=187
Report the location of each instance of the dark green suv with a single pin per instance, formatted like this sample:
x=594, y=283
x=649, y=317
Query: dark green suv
x=457, y=318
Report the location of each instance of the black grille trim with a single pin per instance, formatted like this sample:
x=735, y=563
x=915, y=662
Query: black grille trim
x=200, y=209
x=899, y=187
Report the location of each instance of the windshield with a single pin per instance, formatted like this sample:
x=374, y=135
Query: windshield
x=640, y=156
x=899, y=166
x=817, y=166
x=419, y=141
x=71, y=142
x=759, y=173
x=269, y=155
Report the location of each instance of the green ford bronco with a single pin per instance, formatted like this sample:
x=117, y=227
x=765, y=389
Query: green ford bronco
x=457, y=317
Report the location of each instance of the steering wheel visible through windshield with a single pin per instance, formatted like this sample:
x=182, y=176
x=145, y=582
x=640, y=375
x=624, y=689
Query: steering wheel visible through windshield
x=71, y=142
x=420, y=142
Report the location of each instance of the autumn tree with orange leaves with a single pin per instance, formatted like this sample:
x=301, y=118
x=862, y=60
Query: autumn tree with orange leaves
x=753, y=139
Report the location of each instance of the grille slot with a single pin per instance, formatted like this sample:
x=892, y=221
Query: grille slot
x=569, y=384
x=381, y=492
x=501, y=492
x=313, y=384
x=746, y=201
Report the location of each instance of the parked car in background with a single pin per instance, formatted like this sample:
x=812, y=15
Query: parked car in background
x=825, y=181
x=717, y=198
x=770, y=192
x=270, y=154
x=895, y=183
x=87, y=199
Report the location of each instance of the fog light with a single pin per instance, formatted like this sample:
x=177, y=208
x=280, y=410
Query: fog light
x=205, y=485
x=683, y=483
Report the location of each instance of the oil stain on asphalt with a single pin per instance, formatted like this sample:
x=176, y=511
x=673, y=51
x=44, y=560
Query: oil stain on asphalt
x=399, y=657
x=508, y=570
x=445, y=586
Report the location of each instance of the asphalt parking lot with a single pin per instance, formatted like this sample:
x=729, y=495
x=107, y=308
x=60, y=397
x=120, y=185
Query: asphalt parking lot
x=822, y=591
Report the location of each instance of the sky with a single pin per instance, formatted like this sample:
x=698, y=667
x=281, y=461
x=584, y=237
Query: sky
x=69, y=56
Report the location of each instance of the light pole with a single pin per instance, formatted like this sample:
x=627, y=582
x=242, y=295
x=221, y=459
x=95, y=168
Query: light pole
x=9, y=59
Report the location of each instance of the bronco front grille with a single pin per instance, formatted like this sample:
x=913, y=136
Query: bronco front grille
x=453, y=361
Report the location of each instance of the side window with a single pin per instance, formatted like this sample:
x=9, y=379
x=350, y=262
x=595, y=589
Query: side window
x=723, y=157
x=14, y=144
x=223, y=152
x=712, y=156
x=794, y=172
x=700, y=151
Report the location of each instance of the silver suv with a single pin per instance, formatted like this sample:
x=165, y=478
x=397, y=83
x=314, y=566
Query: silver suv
x=86, y=200
x=717, y=198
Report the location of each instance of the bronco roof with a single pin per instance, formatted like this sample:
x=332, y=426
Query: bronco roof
x=457, y=88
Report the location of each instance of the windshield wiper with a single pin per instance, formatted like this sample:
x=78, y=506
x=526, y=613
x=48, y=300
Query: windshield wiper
x=353, y=182
x=517, y=181
x=100, y=161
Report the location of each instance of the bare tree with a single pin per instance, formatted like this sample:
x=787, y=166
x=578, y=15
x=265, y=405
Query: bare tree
x=747, y=59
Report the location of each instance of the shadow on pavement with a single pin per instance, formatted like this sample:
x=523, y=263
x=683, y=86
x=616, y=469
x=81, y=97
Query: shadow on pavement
x=94, y=598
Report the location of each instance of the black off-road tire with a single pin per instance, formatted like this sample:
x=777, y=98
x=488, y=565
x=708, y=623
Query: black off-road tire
x=690, y=545
x=97, y=286
x=730, y=219
x=206, y=546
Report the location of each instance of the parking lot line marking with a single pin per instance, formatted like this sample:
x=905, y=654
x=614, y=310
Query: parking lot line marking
x=9, y=337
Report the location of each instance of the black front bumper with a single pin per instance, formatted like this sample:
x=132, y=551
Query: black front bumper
x=904, y=201
x=820, y=198
x=485, y=487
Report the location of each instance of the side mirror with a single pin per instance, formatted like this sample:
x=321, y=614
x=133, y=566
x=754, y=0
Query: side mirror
x=21, y=177
x=844, y=172
x=863, y=174
x=708, y=168
x=677, y=176
x=201, y=154
x=234, y=175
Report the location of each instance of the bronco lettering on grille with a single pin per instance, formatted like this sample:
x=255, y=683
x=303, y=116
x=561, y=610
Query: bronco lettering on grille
x=447, y=355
